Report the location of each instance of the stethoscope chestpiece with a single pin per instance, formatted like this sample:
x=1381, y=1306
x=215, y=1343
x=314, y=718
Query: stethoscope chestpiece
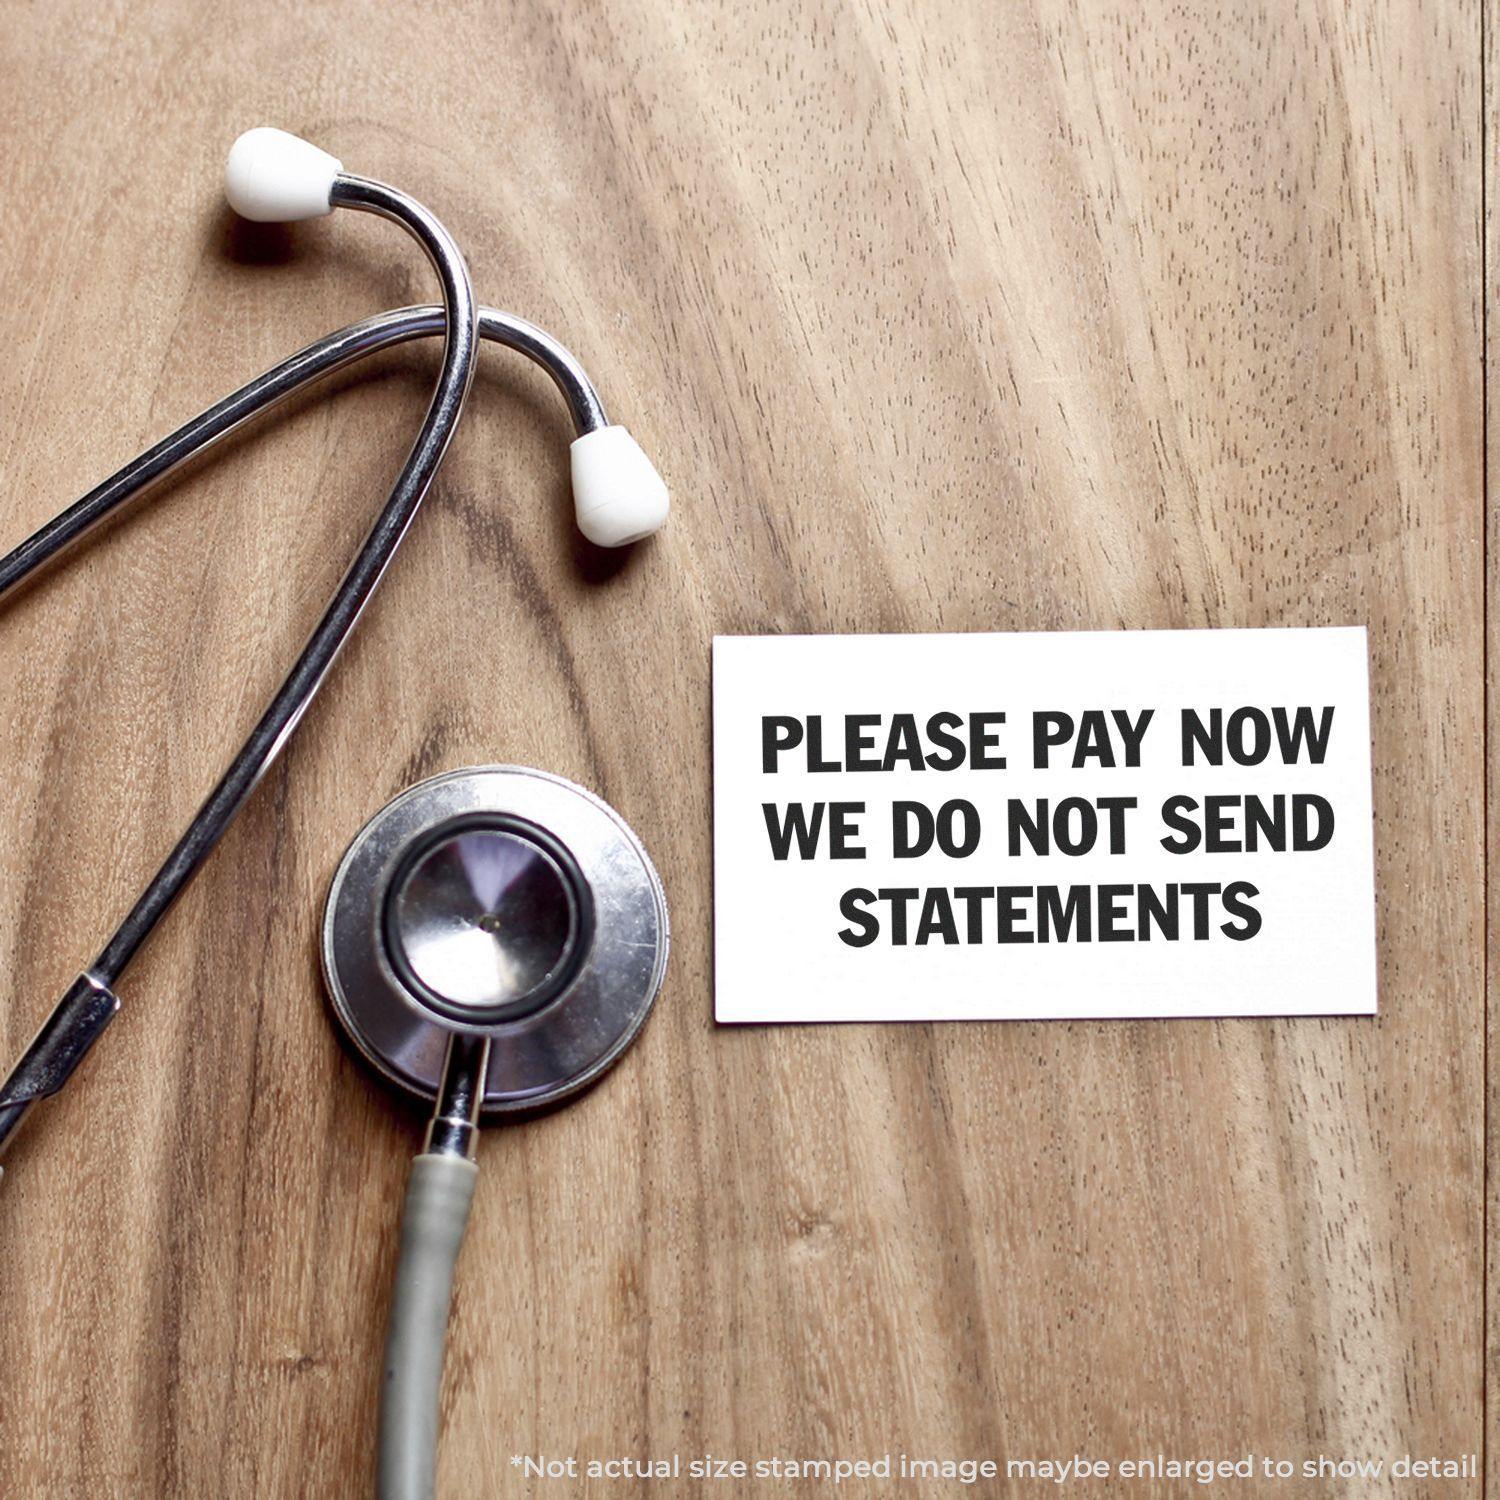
x=498, y=902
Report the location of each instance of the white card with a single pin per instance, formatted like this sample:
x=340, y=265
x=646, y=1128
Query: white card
x=1135, y=823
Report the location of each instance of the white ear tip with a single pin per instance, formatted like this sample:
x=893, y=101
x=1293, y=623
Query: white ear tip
x=617, y=492
x=276, y=178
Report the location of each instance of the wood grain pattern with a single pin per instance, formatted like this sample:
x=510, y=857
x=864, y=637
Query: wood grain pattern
x=939, y=317
x=1491, y=122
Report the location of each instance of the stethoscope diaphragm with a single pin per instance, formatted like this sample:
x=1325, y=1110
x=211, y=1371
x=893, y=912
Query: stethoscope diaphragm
x=501, y=902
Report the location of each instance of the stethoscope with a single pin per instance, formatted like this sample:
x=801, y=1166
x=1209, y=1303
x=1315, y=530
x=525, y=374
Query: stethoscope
x=494, y=938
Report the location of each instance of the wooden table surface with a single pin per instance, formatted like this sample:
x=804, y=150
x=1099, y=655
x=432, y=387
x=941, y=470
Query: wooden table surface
x=938, y=316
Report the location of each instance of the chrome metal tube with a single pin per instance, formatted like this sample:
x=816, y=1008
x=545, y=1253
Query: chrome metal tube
x=28, y=1083
x=285, y=712
x=454, y=1127
x=266, y=392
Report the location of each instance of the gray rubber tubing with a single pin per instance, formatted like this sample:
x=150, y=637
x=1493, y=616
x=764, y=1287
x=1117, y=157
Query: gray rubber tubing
x=432, y=1228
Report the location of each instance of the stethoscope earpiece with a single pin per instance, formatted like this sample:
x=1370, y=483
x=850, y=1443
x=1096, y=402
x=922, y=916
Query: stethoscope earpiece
x=275, y=178
x=617, y=493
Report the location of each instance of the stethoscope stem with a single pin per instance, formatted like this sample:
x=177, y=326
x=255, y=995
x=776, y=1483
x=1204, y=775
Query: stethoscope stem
x=454, y=1127
x=59, y=1046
